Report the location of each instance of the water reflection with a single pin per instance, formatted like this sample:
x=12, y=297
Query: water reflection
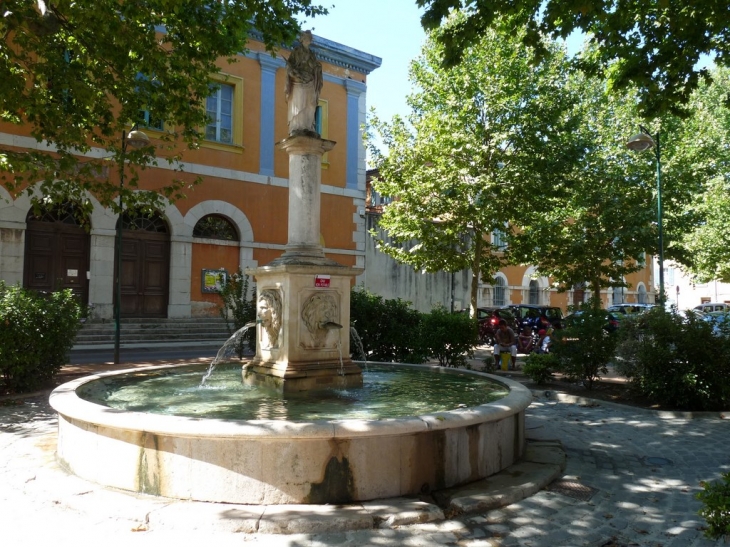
x=386, y=393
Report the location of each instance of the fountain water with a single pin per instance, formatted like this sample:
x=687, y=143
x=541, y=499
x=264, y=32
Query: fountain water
x=228, y=350
x=359, y=349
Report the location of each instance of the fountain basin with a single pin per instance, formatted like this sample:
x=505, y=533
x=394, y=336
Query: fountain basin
x=284, y=462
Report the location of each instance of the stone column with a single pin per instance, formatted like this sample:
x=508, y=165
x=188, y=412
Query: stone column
x=305, y=173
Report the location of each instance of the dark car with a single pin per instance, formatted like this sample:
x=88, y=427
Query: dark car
x=489, y=318
x=631, y=309
x=529, y=315
x=613, y=320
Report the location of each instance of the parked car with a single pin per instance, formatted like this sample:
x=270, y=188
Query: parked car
x=631, y=309
x=709, y=307
x=489, y=318
x=529, y=314
x=720, y=321
x=613, y=320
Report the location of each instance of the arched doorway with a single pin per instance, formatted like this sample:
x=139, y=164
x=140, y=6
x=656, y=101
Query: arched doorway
x=145, y=275
x=57, y=251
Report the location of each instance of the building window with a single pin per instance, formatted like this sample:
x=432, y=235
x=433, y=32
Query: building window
x=534, y=295
x=219, y=107
x=618, y=295
x=499, y=239
x=498, y=296
x=144, y=222
x=321, y=125
x=215, y=227
x=148, y=121
x=641, y=296
x=224, y=107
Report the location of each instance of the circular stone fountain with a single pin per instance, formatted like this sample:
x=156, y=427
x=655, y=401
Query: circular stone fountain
x=303, y=301
x=285, y=462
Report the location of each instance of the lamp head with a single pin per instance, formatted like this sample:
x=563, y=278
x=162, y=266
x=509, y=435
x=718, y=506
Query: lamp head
x=137, y=139
x=640, y=142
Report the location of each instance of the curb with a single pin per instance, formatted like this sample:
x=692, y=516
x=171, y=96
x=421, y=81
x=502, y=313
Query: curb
x=560, y=397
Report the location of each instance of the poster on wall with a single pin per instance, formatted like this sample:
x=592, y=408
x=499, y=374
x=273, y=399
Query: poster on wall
x=213, y=280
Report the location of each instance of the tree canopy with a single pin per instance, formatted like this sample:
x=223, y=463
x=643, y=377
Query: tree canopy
x=701, y=242
x=654, y=46
x=482, y=139
x=598, y=230
x=75, y=75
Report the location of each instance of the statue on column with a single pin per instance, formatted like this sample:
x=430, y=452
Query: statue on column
x=303, y=84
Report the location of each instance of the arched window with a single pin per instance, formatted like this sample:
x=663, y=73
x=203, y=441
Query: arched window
x=498, y=296
x=65, y=213
x=618, y=295
x=215, y=227
x=534, y=296
x=144, y=222
x=641, y=296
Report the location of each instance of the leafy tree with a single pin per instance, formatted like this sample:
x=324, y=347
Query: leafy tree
x=601, y=224
x=654, y=46
x=75, y=75
x=703, y=240
x=482, y=137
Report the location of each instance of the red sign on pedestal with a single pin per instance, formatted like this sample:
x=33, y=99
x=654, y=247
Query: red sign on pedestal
x=321, y=281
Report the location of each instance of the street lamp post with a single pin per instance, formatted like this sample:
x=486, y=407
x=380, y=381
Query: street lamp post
x=135, y=139
x=638, y=143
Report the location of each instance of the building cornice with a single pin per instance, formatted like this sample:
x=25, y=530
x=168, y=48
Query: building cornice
x=336, y=54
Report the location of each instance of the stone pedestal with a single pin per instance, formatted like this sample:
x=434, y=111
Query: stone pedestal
x=308, y=348
x=303, y=298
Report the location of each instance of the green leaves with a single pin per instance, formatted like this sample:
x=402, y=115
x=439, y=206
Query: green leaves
x=71, y=76
x=653, y=47
x=481, y=136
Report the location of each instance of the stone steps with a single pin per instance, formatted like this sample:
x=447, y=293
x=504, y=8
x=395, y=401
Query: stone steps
x=153, y=332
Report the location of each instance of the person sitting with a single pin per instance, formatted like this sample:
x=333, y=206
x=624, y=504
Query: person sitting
x=505, y=339
x=524, y=340
x=543, y=345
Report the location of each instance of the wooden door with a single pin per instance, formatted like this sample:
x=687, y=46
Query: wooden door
x=57, y=257
x=145, y=273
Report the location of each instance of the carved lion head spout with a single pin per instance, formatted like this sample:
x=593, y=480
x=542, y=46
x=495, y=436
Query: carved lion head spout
x=269, y=314
x=320, y=314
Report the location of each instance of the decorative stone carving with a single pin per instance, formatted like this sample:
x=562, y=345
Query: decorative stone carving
x=303, y=84
x=320, y=315
x=269, y=314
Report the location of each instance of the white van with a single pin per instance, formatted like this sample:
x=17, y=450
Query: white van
x=712, y=306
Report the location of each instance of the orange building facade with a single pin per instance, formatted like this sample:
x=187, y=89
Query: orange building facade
x=236, y=218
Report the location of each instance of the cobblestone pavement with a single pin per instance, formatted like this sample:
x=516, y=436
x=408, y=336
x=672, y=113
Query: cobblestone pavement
x=630, y=481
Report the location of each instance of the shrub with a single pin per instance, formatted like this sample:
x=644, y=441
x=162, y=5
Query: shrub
x=676, y=360
x=539, y=367
x=584, y=348
x=37, y=332
x=450, y=337
x=239, y=308
x=389, y=329
x=715, y=499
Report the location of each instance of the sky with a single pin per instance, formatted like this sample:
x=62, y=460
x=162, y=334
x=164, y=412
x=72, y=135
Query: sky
x=389, y=29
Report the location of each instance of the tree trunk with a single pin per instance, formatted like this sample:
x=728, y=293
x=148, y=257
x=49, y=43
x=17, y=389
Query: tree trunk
x=596, y=292
x=475, y=273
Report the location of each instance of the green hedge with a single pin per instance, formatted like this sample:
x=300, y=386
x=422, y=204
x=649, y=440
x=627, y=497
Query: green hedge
x=37, y=332
x=676, y=360
x=391, y=331
x=584, y=348
x=448, y=337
